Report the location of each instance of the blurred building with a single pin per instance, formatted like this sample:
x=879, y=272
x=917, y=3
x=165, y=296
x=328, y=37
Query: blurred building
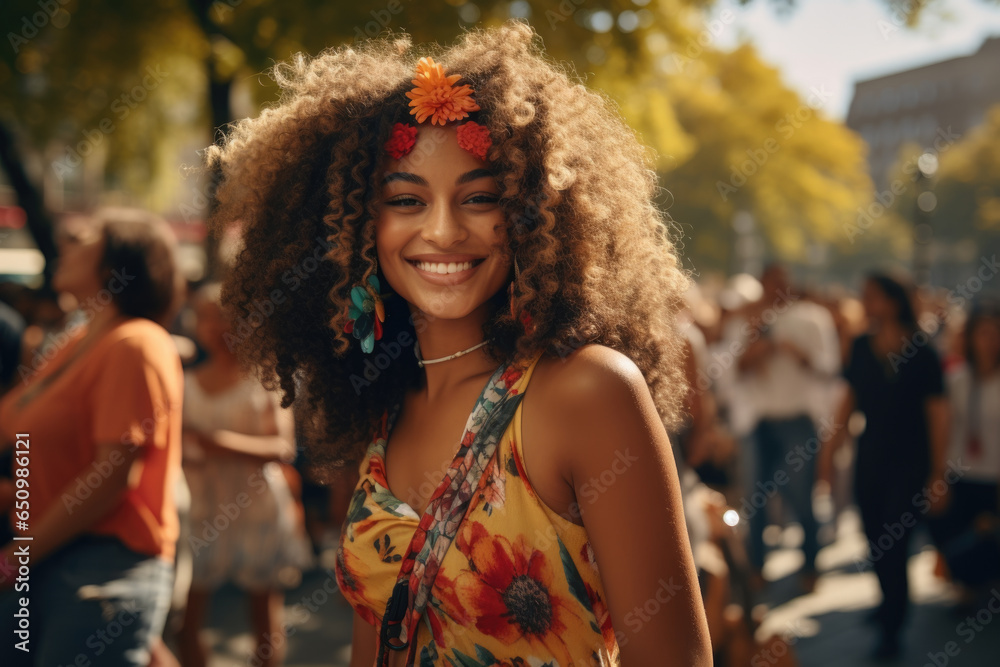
x=939, y=103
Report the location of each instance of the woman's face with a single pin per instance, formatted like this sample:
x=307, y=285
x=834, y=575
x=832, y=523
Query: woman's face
x=81, y=250
x=878, y=306
x=985, y=340
x=439, y=232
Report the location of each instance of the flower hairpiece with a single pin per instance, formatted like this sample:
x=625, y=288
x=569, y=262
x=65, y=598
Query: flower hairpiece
x=401, y=140
x=435, y=96
x=474, y=138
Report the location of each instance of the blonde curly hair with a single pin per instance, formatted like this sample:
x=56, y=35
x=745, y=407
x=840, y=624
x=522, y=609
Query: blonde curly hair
x=596, y=260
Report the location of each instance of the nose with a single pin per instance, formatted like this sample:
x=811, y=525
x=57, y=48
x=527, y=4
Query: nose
x=442, y=227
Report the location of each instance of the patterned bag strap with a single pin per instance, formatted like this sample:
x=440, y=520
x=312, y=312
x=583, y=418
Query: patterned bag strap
x=440, y=522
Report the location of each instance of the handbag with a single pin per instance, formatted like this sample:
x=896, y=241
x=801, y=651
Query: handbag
x=493, y=411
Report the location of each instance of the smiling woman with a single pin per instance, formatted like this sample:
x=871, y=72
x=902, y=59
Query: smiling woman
x=496, y=218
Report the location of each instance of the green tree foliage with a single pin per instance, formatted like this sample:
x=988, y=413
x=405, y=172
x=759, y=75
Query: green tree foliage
x=960, y=202
x=968, y=187
x=761, y=148
x=128, y=89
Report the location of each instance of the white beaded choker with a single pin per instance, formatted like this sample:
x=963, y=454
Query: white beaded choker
x=423, y=362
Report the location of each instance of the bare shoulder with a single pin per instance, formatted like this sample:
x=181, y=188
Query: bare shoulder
x=590, y=375
x=588, y=394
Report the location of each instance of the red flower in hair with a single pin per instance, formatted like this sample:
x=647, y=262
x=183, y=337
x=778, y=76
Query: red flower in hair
x=401, y=140
x=474, y=138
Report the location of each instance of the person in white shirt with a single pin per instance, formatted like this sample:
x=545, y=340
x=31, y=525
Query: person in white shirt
x=785, y=352
x=964, y=532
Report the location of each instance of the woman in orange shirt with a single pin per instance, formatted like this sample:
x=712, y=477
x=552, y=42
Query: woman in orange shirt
x=96, y=427
x=509, y=212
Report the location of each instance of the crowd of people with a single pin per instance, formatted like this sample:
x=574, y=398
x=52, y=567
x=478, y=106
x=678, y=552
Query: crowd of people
x=775, y=375
x=907, y=379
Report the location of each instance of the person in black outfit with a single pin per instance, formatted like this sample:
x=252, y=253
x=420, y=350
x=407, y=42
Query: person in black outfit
x=895, y=378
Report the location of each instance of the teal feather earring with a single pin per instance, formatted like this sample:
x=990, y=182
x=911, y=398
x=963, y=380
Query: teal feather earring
x=366, y=314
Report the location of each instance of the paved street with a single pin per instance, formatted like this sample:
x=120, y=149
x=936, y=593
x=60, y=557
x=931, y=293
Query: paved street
x=827, y=627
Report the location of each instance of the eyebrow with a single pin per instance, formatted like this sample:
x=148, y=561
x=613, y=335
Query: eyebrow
x=408, y=177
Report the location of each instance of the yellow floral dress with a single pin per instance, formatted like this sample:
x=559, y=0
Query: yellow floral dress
x=519, y=585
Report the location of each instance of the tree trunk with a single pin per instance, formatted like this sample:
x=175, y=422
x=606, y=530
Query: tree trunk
x=29, y=197
x=219, y=91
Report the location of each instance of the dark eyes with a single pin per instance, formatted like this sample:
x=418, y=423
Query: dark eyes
x=481, y=199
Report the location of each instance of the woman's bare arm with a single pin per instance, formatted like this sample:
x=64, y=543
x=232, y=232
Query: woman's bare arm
x=622, y=470
x=277, y=442
x=362, y=643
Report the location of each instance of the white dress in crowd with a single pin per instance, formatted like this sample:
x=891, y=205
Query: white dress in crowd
x=244, y=524
x=975, y=409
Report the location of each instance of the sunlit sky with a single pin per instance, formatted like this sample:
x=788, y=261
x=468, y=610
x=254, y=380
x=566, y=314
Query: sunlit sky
x=833, y=43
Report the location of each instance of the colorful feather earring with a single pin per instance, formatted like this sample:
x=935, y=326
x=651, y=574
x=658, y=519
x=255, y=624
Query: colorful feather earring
x=366, y=313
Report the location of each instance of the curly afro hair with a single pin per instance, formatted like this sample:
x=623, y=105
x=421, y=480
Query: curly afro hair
x=303, y=180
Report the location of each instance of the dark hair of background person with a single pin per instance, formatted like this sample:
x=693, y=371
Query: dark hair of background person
x=140, y=250
x=897, y=290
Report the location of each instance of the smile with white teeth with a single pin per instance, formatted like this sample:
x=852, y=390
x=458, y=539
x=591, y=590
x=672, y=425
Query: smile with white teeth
x=445, y=268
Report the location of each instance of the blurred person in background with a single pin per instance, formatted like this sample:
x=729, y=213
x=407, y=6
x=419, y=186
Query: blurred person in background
x=788, y=353
x=11, y=329
x=702, y=449
x=103, y=418
x=966, y=532
x=245, y=526
x=895, y=378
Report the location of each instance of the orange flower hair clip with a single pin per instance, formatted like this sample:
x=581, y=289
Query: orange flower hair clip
x=435, y=96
